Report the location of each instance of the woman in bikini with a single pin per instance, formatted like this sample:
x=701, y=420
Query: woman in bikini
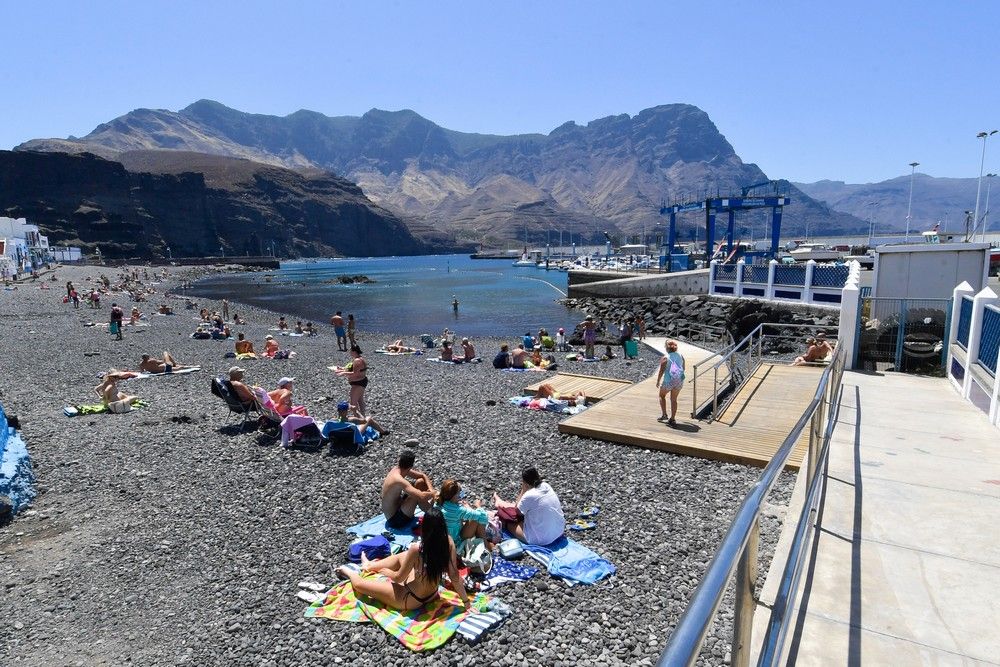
x=357, y=377
x=413, y=576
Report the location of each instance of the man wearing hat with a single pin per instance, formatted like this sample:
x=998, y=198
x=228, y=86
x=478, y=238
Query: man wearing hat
x=243, y=392
x=361, y=422
x=282, y=398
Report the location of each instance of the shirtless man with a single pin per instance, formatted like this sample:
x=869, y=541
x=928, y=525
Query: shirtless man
x=243, y=392
x=167, y=365
x=468, y=351
x=401, y=496
x=518, y=357
x=108, y=389
x=817, y=350
x=338, y=328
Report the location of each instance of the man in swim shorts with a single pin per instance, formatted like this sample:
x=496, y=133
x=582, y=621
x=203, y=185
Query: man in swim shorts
x=403, y=490
x=338, y=328
x=166, y=365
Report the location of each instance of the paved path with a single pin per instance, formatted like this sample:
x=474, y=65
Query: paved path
x=907, y=555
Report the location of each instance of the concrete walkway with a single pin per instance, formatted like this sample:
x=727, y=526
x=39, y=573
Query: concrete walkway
x=907, y=555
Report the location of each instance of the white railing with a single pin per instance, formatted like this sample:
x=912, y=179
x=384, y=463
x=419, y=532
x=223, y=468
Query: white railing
x=809, y=283
x=974, y=369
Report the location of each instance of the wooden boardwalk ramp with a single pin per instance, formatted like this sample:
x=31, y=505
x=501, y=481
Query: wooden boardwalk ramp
x=595, y=388
x=749, y=431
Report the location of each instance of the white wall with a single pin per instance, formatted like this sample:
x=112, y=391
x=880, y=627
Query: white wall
x=929, y=271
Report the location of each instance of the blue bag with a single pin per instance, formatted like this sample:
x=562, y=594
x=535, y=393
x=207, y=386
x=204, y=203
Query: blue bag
x=373, y=547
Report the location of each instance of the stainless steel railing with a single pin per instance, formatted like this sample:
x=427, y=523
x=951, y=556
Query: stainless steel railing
x=737, y=555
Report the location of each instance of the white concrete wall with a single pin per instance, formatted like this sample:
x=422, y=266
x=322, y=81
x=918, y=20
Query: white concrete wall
x=661, y=284
x=929, y=271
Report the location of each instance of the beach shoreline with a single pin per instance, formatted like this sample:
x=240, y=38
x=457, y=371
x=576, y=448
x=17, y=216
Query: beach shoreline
x=175, y=541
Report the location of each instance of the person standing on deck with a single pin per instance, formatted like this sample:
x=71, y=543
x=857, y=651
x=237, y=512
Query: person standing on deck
x=671, y=373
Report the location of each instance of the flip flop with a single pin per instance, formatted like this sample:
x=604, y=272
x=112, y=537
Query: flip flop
x=593, y=510
x=580, y=524
x=310, y=597
x=313, y=586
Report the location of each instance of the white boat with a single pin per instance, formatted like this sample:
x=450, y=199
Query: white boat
x=815, y=251
x=525, y=261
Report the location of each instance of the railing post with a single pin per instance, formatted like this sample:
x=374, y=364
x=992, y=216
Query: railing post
x=746, y=584
x=957, y=295
x=715, y=391
x=711, y=275
x=772, y=266
x=807, y=291
x=739, y=277
x=850, y=322
x=975, y=334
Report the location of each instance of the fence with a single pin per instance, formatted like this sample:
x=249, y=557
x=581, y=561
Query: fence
x=807, y=283
x=906, y=335
x=972, y=358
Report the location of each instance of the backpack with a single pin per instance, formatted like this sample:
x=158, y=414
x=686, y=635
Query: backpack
x=374, y=548
x=676, y=372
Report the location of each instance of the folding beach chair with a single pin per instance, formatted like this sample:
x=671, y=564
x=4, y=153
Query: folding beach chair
x=237, y=409
x=270, y=419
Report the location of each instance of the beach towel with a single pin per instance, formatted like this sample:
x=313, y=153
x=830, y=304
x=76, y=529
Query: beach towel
x=419, y=629
x=96, y=409
x=571, y=560
x=426, y=627
x=292, y=423
x=475, y=626
x=438, y=360
x=243, y=356
x=395, y=354
x=505, y=571
x=524, y=370
x=182, y=371
x=547, y=404
x=376, y=526
x=361, y=437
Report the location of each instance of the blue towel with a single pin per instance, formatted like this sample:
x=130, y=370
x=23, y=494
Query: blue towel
x=360, y=437
x=376, y=526
x=503, y=571
x=571, y=560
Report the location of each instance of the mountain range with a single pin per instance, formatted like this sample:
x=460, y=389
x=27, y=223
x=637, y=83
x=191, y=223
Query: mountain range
x=611, y=174
x=935, y=200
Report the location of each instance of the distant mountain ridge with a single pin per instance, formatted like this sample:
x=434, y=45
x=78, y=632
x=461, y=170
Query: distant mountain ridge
x=610, y=174
x=197, y=205
x=935, y=200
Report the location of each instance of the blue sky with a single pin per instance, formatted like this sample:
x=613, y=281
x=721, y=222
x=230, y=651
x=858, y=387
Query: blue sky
x=842, y=90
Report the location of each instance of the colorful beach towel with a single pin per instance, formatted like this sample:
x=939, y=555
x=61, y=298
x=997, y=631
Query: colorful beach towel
x=547, y=404
x=421, y=629
x=376, y=526
x=429, y=626
x=571, y=560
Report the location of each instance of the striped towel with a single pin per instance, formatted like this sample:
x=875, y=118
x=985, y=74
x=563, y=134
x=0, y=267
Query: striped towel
x=476, y=625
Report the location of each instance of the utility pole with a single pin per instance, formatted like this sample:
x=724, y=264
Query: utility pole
x=909, y=206
x=984, y=136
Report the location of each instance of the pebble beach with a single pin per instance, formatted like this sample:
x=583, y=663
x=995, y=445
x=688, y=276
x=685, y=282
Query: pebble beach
x=164, y=537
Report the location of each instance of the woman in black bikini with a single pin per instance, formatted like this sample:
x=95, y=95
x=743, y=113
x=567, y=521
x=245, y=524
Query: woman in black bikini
x=357, y=377
x=413, y=576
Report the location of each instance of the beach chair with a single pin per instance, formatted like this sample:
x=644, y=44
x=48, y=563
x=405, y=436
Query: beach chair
x=237, y=409
x=345, y=438
x=270, y=419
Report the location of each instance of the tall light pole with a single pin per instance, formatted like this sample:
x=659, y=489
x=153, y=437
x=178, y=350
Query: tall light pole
x=984, y=136
x=909, y=206
x=989, y=182
x=871, y=221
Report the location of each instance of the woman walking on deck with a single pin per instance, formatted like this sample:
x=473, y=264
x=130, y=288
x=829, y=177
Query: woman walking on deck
x=670, y=380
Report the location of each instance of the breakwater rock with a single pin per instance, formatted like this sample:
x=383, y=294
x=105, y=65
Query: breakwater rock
x=676, y=315
x=350, y=280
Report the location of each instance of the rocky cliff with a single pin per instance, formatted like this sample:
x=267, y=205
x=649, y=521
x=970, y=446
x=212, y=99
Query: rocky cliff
x=195, y=205
x=610, y=174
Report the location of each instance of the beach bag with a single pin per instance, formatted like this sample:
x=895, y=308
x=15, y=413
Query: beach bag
x=676, y=373
x=511, y=549
x=476, y=556
x=509, y=513
x=631, y=348
x=374, y=548
x=120, y=407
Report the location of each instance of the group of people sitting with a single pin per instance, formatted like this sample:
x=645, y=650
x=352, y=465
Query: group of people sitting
x=308, y=329
x=448, y=352
x=519, y=357
x=245, y=350
x=818, y=348
x=413, y=577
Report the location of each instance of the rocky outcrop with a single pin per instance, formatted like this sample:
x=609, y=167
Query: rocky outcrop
x=681, y=315
x=608, y=175
x=196, y=205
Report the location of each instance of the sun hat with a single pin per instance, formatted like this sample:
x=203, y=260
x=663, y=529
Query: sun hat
x=561, y=330
x=285, y=380
x=234, y=370
x=343, y=406
x=268, y=337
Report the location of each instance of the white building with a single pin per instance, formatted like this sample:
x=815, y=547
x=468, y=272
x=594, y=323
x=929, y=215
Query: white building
x=23, y=248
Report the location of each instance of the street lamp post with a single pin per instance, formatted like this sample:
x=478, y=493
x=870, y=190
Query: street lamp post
x=989, y=183
x=984, y=136
x=871, y=222
x=169, y=254
x=909, y=206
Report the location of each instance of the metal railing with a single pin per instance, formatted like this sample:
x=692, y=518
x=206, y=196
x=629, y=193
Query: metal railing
x=737, y=555
x=741, y=360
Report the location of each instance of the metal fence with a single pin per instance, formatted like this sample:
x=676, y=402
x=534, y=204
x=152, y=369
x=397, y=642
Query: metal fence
x=830, y=276
x=790, y=275
x=964, y=323
x=725, y=272
x=755, y=273
x=906, y=335
x=989, y=340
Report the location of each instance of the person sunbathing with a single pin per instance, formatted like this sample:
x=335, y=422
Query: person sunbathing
x=413, y=576
x=237, y=319
x=359, y=420
x=536, y=356
x=446, y=351
x=282, y=324
x=399, y=347
x=135, y=316
x=201, y=333
x=243, y=392
x=164, y=309
x=548, y=391
x=817, y=350
x=270, y=346
x=243, y=346
x=403, y=490
x=298, y=327
x=108, y=388
x=282, y=399
x=310, y=329
x=166, y=365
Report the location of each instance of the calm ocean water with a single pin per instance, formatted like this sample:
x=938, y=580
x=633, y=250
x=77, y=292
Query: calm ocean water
x=411, y=295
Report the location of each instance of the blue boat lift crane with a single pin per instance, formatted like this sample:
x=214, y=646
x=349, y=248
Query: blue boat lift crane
x=713, y=206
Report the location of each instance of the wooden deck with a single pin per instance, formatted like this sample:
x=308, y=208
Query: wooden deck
x=749, y=431
x=595, y=388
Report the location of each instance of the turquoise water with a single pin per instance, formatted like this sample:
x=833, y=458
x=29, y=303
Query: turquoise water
x=411, y=295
